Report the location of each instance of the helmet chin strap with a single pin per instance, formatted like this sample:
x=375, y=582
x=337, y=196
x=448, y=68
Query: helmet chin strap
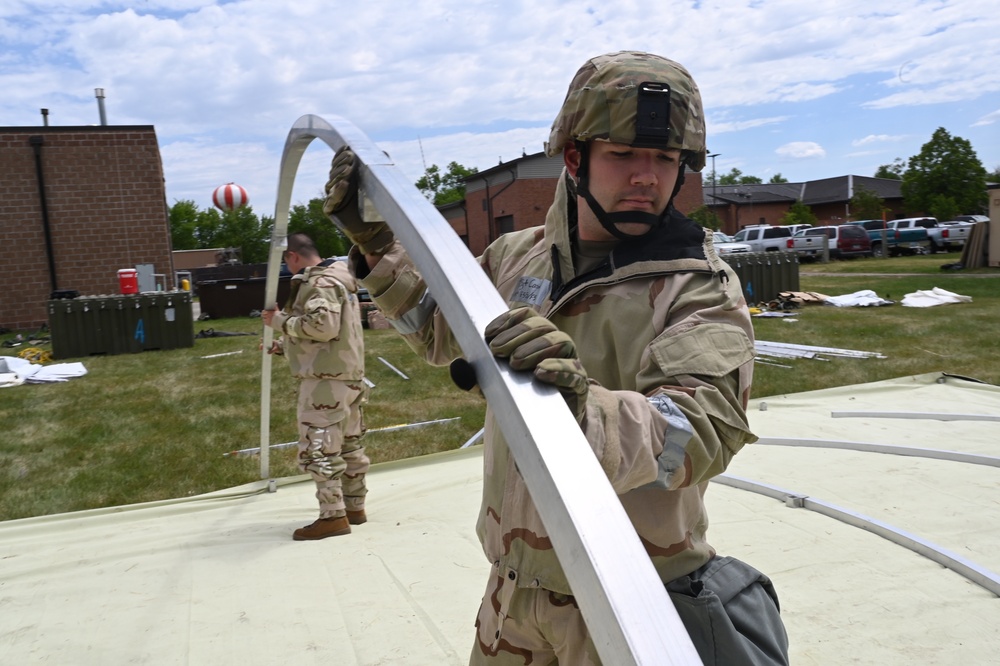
x=610, y=220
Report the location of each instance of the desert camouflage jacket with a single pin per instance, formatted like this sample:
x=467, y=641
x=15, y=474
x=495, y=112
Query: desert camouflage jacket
x=321, y=324
x=664, y=333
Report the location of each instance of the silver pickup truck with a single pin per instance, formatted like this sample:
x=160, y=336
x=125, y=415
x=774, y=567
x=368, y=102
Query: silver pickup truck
x=943, y=236
x=764, y=238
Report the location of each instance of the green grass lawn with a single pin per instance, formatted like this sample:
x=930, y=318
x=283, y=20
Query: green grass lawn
x=958, y=339
x=156, y=425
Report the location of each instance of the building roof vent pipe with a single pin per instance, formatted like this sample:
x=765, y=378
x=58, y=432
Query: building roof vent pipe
x=99, y=94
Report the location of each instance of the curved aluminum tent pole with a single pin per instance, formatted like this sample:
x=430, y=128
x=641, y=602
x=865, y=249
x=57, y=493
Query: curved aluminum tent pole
x=972, y=571
x=628, y=612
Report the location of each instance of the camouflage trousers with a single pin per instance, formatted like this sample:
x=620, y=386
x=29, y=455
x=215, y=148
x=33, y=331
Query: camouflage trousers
x=331, y=425
x=729, y=609
x=518, y=625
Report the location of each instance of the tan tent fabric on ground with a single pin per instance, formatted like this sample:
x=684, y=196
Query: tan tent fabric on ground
x=216, y=579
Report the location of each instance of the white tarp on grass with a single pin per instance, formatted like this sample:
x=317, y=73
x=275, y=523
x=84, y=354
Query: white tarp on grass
x=15, y=371
x=926, y=298
x=858, y=299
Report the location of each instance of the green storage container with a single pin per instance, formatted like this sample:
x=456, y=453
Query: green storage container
x=764, y=275
x=120, y=324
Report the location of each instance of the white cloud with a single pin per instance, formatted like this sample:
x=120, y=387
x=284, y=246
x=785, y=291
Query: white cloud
x=801, y=150
x=988, y=119
x=479, y=81
x=714, y=128
x=863, y=153
x=877, y=138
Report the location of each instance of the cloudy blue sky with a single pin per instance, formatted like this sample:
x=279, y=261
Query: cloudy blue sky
x=808, y=90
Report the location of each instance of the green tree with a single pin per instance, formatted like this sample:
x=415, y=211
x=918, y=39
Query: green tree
x=445, y=188
x=193, y=229
x=242, y=229
x=778, y=178
x=311, y=220
x=993, y=176
x=736, y=177
x=945, y=178
x=798, y=213
x=866, y=205
x=704, y=216
x=943, y=207
x=893, y=171
x=183, y=225
x=731, y=178
x=208, y=228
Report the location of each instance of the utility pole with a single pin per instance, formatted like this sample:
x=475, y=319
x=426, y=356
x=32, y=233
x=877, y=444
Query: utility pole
x=715, y=183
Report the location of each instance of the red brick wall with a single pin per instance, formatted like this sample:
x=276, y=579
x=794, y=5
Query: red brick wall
x=836, y=213
x=185, y=260
x=106, y=206
x=735, y=217
x=689, y=198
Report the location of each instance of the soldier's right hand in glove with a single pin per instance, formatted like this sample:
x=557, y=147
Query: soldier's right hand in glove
x=532, y=342
x=341, y=206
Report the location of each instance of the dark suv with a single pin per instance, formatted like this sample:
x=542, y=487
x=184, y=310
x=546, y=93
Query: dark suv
x=843, y=241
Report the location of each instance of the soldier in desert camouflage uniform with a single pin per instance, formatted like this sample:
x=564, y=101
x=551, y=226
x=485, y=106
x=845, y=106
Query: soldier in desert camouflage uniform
x=623, y=304
x=321, y=335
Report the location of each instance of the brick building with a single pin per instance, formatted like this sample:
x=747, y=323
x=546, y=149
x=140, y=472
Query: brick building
x=76, y=205
x=517, y=194
x=738, y=206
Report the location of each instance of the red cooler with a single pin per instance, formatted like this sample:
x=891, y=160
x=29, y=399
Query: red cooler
x=128, y=281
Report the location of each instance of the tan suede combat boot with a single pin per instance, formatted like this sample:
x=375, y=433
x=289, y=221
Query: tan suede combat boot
x=356, y=517
x=323, y=528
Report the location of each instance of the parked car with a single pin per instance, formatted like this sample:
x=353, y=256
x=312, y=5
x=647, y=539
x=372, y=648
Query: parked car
x=943, y=237
x=971, y=218
x=842, y=241
x=893, y=242
x=796, y=228
x=764, y=238
x=725, y=245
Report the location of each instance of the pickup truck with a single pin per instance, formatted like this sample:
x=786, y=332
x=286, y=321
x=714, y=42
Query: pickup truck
x=841, y=241
x=943, y=237
x=971, y=218
x=894, y=242
x=764, y=238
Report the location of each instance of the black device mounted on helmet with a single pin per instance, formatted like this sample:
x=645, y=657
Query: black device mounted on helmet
x=652, y=115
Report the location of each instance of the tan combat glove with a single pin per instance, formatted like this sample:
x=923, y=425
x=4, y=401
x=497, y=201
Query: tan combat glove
x=532, y=342
x=341, y=206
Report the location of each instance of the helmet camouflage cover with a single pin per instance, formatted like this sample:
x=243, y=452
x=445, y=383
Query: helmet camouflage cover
x=603, y=98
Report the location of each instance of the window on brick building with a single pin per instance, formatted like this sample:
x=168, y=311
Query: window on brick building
x=505, y=224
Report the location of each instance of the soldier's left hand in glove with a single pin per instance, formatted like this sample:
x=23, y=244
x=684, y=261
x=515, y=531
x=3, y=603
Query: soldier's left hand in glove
x=531, y=342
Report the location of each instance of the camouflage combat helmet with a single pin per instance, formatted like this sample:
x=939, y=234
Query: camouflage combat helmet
x=614, y=97
x=636, y=99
